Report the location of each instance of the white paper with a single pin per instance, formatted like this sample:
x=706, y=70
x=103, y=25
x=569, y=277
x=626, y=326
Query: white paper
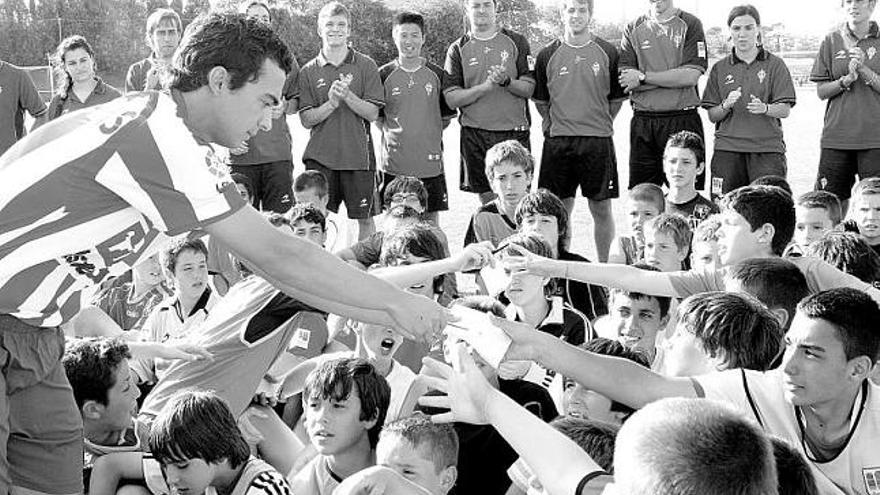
x=490, y=341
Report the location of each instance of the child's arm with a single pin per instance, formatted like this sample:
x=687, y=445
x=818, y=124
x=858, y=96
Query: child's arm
x=472, y=257
x=110, y=469
x=379, y=480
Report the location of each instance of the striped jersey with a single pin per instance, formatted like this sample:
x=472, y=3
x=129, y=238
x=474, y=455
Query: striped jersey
x=90, y=194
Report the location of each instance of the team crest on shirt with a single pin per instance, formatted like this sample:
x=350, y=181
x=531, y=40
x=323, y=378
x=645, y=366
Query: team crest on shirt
x=762, y=74
x=872, y=480
x=429, y=88
x=504, y=56
x=596, y=68
x=701, y=212
x=871, y=52
x=218, y=169
x=676, y=39
x=729, y=79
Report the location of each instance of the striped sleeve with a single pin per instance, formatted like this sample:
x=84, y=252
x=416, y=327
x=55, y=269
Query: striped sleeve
x=269, y=483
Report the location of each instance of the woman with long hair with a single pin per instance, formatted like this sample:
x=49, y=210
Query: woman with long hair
x=78, y=85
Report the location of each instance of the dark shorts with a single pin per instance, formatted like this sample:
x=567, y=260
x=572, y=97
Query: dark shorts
x=838, y=169
x=356, y=188
x=571, y=161
x=732, y=169
x=272, y=184
x=40, y=425
x=648, y=134
x=474, y=145
x=438, y=198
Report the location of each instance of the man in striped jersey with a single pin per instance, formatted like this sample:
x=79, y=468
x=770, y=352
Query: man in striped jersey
x=91, y=194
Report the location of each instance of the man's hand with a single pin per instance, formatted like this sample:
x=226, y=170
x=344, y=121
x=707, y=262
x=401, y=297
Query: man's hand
x=378, y=480
x=467, y=391
x=240, y=149
x=418, y=317
x=757, y=107
x=732, y=98
x=337, y=93
x=528, y=262
x=496, y=74
x=474, y=257
x=630, y=79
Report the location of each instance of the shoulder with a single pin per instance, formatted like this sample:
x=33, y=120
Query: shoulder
x=517, y=39
x=605, y=45
x=637, y=22
x=689, y=19
x=549, y=49
x=362, y=59
x=387, y=69
x=269, y=482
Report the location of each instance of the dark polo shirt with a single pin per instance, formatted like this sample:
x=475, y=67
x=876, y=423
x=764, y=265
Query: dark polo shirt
x=63, y=103
x=17, y=94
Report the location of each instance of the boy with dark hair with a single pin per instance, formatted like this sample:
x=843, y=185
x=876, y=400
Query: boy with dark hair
x=164, y=30
x=414, y=115
x=865, y=210
x=792, y=469
x=197, y=441
x=645, y=201
x=776, y=282
x=542, y=212
x=684, y=159
x=308, y=222
x=345, y=402
x=816, y=212
x=704, y=244
x=408, y=191
x=848, y=252
x=668, y=242
x=340, y=94
x=509, y=169
x=311, y=187
x=775, y=181
x=421, y=451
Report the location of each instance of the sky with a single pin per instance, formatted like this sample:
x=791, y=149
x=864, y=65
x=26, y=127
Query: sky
x=799, y=16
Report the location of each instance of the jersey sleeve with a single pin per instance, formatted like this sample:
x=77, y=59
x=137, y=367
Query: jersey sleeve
x=131, y=79
x=454, y=71
x=29, y=97
x=384, y=72
x=374, y=91
x=542, y=92
x=291, y=84
x=694, y=50
x=628, y=57
x=725, y=386
x=523, y=50
x=307, y=96
x=269, y=483
x=821, y=71
x=712, y=93
x=55, y=107
x=782, y=89
x=445, y=111
x=615, y=91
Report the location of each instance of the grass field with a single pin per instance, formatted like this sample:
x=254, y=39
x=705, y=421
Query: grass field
x=802, y=132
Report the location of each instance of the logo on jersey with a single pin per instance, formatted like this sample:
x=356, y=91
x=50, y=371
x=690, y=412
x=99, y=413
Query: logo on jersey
x=596, y=68
x=563, y=71
x=301, y=338
x=395, y=91
x=871, y=52
x=504, y=56
x=872, y=480
x=487, y=49
x=429, y=88
x=321, y=83
x=115, y=254
x=762, y=74
x=218, y=169
x=841, y=54
x=473, y=61
x=578, y=59
x=701, y=212
x=729, y=79
x=646, y=45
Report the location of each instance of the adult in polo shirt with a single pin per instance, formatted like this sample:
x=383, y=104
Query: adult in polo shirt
x=17, y=94
x=414, y=115
x=578, y=95
x=747, y=95
x=340, y=94
x=266, y=159
x=490, y=84
x=847, y=74
x=80, y=87
x=90, y=195
x=662, y=56
x=163, y=35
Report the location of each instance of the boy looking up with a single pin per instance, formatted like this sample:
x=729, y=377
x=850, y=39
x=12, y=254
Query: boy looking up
x=421, y=451
x=578, y=96
x=311, y=187
x=340, y=94
x=816, y=213
x=308, y=222
x=684, y=159
x=414, y=115
x=645, y=202
x=865, y=210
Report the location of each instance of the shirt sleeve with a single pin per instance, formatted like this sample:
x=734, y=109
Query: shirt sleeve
x=522, y=57
x=55, y=107
x=374, y=91
x=29, y=97
x=542, y=92
x=307, y=97
x=688, y=283
x=291, y=84
x=366, y=252
x=453, y=67
x=712, y=93
x=694, y=51
x=821, y=71
x=823, y=276
x=269, y=483
x=725, y=386
x=628, y=57
x=445, y=111
x=782, y=89
x=131, y=79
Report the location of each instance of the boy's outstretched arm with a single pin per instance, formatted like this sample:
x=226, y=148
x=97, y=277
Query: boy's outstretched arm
x=472, y=257
x=378, y=480
x=559, y=463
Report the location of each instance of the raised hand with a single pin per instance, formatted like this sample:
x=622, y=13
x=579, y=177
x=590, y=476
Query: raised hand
x=467, y=390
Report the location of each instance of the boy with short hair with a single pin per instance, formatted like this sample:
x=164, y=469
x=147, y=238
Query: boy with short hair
x=345, y=402
x=308, y=222
x=848, y=252
x=340, y=94
x=704, y=244
x=421, y=451
x=667, y=242
x=311, y=187
x=509, y=169
x=816, y=212
x=197, y=441
x=684, y=159
x=645, y=202
x=865, y=210
x=776, y=282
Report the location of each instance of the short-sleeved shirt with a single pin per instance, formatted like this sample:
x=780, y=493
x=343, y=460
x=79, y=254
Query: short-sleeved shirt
x=257, y=477
x=17, y=94
x=315, y=478
x=767, y=78
x=468, y=61
x=63, y=103
x=578, y=82
x=136, y=77
x=414, y=113
x=851, y=118
x=343, y=140
x=273, y=145
x=88, y=196
x=761, y=396
x=650, y=45
x=696, y=210
x=489, y=224
x=130, y=315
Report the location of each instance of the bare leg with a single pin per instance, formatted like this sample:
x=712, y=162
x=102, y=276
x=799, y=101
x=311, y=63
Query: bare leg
x=569, y=207
x=366, y=226
x=603, y=227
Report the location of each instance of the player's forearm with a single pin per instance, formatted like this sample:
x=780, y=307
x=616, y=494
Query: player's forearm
x=614, y=107
x=619, y=276
x=460, y=97
x=407, y=275
x=521, y=87
x=871, y=78
x=778, y=110
x=366, y=110
x=718, y=113
x=681, y=77
x=311, y=117
x=830, y=89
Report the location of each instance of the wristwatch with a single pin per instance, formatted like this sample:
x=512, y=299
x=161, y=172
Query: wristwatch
x=505, y=82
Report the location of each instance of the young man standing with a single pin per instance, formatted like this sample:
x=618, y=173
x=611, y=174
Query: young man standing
x=490, y=84
x=578, y=95
x=144, y=172
x=414, y=115
x=662, y=56
x=163, y=35
x=17, y=94
x=340, y=94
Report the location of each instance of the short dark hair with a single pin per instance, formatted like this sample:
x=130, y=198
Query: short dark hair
x=276, y=219
x=853, y=313
x=436, y=442
x=775, y=181
x=737, y=328
x=649, y=193
x=544, y=202
x=197, y=425
x=245, y=181
x=674, y=225
x=406, y=184
x=776, y=282
x=483, y=304
x=530, y=241
x=825, y=200
x=420, y=240
x=91, y=366
x=613, y=348
x=173, y=251
x=741, y=10
x=794, y=474
x=336, y=379
x=311, y=179
x=688, y=140
x=761, y=205
x=228, y=40
x=334, y=8
x=870, y=185
x=308, y=213
x=664, y=302
x=848, y=252
x=595, y=437
x=409, y=18
x=509, y=151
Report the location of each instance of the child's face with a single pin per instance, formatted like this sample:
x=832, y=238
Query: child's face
x=661, y=251
x=311, y=195
x=334, y=31
x=811, y=224
x=335, y=426
x=243, y=191
x=402, y=456
x=510, y=183
x=189, y=477
x=736, y=241
x=581, y=402
x=407, y=198
x=637, y=321
x=149, y=271
x=640, y=212
x=546, y=225
x=866, y=213
x=684, y=354
x=191, y=273
x=122, y=398
x=523, y=288
x=704, y=255
x=311, y=232
x=380, y=342
x=681, y=167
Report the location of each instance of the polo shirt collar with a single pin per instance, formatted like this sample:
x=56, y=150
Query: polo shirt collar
x=847, y=33
x=100, y=87
x=556, y=315
x=201, y=304
x=322, y=60
x=734, y=58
